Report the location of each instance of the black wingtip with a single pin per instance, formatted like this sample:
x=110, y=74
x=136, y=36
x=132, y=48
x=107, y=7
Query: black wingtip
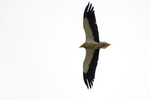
x=85, y=80
x=89, y=8
x=88, y=82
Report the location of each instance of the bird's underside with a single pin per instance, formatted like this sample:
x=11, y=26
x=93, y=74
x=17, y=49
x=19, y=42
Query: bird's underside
x=95, y=45
x=91, y=59
x=92, y=45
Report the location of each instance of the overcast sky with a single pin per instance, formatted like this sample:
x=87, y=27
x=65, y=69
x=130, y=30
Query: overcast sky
x=40, y=58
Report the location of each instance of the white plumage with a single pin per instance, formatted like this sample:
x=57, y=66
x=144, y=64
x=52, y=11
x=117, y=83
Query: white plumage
x=92, y=45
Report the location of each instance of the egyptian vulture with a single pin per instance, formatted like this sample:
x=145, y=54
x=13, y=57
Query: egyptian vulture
x=92, y=45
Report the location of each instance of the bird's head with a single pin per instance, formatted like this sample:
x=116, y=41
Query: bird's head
x=82, y=46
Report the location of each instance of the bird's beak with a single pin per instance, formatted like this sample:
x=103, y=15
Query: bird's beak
x=81, y=46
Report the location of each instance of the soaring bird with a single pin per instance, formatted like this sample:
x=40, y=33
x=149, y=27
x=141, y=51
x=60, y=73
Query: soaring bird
x=92, y=45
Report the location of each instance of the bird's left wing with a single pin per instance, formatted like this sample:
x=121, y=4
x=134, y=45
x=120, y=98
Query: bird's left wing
x=89, y=24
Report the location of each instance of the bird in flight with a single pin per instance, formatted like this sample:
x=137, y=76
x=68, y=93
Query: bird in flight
x=92, y=45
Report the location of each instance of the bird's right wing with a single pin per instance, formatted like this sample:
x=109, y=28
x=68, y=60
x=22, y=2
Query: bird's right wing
x=89, y=66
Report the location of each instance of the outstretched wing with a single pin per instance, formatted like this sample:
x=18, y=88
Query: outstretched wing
x=89, y=24
x=91, y=58
x=89, y=66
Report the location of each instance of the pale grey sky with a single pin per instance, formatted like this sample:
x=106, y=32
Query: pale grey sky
x=40, y=58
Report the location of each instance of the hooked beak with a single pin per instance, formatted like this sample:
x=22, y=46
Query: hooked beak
x=81, y=46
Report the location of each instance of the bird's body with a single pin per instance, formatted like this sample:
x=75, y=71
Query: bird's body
x=92, y=45
x=95, y=45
